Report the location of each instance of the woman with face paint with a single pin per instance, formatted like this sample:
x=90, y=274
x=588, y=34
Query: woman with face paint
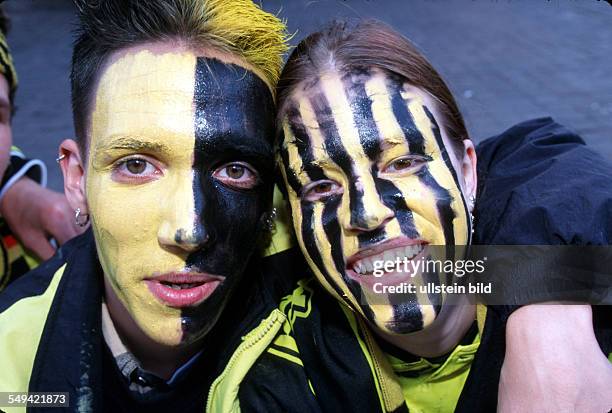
x=379, y=168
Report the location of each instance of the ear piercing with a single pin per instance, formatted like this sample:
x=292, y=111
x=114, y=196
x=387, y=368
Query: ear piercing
x=269, y=224
x=472, y=205
x=80, y=220
x=59, y=158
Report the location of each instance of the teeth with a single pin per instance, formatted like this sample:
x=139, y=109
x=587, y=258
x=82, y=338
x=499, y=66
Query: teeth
x=389, y=255
x=182, y=286
x=366, y=265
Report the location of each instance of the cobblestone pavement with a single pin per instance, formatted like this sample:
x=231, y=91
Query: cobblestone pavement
x=506, y=60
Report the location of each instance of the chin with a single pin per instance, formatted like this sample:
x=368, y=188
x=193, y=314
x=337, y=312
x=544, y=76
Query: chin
x=410, y=319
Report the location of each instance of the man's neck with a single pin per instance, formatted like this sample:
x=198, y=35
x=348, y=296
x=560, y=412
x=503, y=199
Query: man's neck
x=120, y=330
x=441, y=337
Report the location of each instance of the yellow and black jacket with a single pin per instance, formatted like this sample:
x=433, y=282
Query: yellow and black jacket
x=51, y=338
x=14, y=259
x=325, y=359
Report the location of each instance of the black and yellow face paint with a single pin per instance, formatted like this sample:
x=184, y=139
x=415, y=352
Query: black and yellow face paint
x=179, y=176
x=370, y=179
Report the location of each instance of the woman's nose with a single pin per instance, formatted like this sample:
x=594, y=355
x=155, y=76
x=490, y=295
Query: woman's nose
x=367, y=210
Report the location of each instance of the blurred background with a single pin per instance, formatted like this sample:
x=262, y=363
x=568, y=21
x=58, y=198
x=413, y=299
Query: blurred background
x=505, y=60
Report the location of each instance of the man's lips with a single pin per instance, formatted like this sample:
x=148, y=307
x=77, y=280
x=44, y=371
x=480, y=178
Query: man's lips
x=183, y=289
x=361, y=265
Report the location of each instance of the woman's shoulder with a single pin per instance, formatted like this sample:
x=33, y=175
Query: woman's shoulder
x=539, y=183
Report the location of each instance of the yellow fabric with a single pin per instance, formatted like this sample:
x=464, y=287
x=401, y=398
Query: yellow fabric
x=481, y=316
x=223, y=393
x=436, y=387
x=21, y=327
x=6, y=63
x=282, y=235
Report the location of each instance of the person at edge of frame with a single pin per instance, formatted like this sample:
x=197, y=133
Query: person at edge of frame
x=30, y=213
x=377, y=165
x=140, y=313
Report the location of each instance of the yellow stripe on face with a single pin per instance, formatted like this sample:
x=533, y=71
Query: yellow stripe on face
x=293, y=156
x=325, y=249
x=391, y=132
x=322, y=159
x=333, y=89
x=439, y=170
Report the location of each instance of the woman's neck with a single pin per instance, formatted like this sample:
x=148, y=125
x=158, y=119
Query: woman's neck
x=444, y=334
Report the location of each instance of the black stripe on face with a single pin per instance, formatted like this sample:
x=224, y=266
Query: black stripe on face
x=303, y=144
x=370, y=138
x=361, y=107
x=339, y=155
x=292, y=178
x=407, y=316
x=233, y=122
x=447, y=160
x=309, y=238
x=416, y=143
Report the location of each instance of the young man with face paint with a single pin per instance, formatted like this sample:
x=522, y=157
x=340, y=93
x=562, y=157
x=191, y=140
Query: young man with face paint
x=378, y=168
x=173, y=169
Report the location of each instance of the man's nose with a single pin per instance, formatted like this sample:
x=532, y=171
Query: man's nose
x=182, y=227
x=367, y=210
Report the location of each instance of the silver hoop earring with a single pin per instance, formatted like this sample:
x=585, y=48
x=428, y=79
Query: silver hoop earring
x=80, y=220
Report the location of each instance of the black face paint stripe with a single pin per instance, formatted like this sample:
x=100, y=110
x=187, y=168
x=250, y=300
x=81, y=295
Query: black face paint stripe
x=416, y=144
x=292, y=178
x=310, y=241
x=413, y=137
x=443, y=204
x=233, y=121
x=303, y=143
x=447, y=160
x=393, y=199
x=339, y=155
x=407, y=315
x=361, y=107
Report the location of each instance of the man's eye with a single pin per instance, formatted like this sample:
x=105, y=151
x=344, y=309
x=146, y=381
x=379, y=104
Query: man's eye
x=135, y=170
x=320, y=190
x=405, y=164
x=136, y=166
x=237, y=175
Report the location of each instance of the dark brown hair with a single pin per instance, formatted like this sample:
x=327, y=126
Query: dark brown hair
x=345, y=45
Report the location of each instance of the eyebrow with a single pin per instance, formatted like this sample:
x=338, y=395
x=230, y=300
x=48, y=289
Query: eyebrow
x=131, y=143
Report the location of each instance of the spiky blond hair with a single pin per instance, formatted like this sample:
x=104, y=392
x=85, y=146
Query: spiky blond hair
x=237, y=27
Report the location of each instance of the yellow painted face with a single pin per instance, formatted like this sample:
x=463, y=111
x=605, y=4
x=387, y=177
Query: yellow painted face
x=370, y=180
x=179, y=175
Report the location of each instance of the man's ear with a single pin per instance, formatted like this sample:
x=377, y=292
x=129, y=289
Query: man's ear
x=74, y=175
x=468, y=169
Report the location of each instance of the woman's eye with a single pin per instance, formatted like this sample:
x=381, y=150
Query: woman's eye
x=401, y=164
x=321, y=189
x=405, y=164
x=135, y=170
x=237, y=175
